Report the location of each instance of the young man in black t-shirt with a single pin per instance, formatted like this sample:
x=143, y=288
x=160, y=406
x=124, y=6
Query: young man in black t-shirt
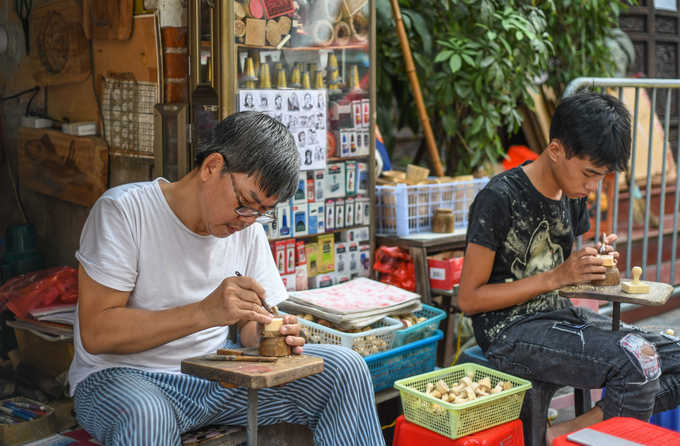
x=522, y=228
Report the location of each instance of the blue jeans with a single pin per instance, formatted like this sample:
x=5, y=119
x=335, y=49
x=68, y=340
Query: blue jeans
x=576, y=347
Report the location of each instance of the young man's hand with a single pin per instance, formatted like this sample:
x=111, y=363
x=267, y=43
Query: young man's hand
x=583, y=265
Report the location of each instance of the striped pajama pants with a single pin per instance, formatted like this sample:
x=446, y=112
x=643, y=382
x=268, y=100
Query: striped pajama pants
x=123, y=406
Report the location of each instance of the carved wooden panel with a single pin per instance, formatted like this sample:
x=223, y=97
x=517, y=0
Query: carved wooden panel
x=633, y=23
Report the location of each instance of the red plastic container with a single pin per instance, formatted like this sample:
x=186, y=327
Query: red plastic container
x=409, y=434
x=632, y=430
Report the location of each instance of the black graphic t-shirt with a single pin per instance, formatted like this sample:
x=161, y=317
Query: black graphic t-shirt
x=530, y=234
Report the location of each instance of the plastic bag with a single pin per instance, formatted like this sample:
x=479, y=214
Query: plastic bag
x=395, y=267
x=23, y=293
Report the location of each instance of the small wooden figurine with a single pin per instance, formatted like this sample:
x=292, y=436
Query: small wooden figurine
x=611, y=275
x=635, y=287
x=273, y=343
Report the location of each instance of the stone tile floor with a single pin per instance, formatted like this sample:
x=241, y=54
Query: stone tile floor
x=670, y=319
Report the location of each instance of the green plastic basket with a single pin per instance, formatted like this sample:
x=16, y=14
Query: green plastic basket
x=457, y=420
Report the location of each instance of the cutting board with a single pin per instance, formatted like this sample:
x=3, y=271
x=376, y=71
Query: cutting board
x=59, y=49
x=107, y=19
x=73, y=168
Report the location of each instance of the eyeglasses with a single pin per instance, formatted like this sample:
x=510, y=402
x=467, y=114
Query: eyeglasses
x=247, y=211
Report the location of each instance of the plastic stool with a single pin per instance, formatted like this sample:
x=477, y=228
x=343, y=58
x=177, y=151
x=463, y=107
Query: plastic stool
x=534, y=413
x=632, y=430
x=410, y=434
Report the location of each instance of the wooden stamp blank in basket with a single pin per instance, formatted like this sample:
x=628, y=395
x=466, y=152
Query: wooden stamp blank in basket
x=657, y=296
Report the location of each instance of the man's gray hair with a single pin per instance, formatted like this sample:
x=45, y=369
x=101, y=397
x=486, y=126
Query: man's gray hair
x=257, y=145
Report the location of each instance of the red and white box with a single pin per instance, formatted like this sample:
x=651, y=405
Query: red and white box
x=290, y=256
x=444, y=269
x=279, y=252
x=289, y=282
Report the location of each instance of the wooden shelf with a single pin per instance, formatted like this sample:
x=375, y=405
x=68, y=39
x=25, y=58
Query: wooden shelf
x=355, y=46
x=347, y=158
x=321, y=233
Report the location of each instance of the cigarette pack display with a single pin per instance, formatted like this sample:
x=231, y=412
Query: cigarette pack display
x=321, y=280
x=349, y=212
x=353, y=257
x=330, y=215
x=339, y=213
x=301, y=254
x=300, y=196
x=312, y=251
x=283, y=220
x=326, y=257
x=335, y=180
x=362, y=178
x=299, y=215
x=358, y=210
x=364, y=260
x=319, y=176
x=316, y=218
x=341, y=258
x=351, y=175
x=289, y=282
x=301, y=278
x=290, y=256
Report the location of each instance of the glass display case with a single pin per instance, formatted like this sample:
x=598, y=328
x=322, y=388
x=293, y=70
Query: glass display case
x=310, y=64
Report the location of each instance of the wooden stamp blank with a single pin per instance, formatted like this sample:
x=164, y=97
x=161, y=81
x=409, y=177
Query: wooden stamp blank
x=607, y=260
x=255, y=31
x=635, y=287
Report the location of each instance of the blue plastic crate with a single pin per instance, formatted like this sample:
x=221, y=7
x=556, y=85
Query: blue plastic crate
x=420, y=330
x=403, y=362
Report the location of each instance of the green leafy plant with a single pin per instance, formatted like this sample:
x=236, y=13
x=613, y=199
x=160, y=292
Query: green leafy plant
x=476, y=61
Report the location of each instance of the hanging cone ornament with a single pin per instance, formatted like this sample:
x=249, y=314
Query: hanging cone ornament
x=248, y=79
x=281, y=79
x=265, y=79
x=306, y=85
x=318, y=81
x=295, y=78
x=354, y=80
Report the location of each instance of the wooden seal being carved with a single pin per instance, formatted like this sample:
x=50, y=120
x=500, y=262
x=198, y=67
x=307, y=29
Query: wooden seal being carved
x=273, y=343
x=611, y=275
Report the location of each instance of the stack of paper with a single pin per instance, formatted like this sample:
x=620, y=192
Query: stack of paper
x=54, y=322
x=354, y=304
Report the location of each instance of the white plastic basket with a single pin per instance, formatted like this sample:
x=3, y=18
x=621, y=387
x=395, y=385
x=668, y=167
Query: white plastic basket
x=378, y=339
x=402, y=210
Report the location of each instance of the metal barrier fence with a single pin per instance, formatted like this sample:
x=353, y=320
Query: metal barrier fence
x=652, y=85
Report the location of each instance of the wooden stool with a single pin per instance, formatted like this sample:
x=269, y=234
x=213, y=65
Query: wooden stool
x=254, y=376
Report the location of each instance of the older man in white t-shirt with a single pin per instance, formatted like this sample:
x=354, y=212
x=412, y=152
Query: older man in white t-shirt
x=158, y=283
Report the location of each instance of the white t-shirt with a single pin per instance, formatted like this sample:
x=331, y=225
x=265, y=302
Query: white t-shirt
x=132, y=241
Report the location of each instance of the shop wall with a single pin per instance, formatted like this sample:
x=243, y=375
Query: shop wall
x=58, y=222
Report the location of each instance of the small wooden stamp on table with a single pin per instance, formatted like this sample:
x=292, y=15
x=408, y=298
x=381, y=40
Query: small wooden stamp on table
x=611, y=275
x=273, y=343
x=635, y=287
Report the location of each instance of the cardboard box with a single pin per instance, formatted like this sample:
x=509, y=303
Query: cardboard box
x=300, y=254
x=357, y=118
x=364, y=261
x=362, y=178
x=352, y=136
x=316, y=218
x=330, y=215
x=366, y=113
x=351, y=176
x=326, y=255
x=349, y=212
x=283, y=221
x=359, y=142
x=341, y=258
x=279, y=252
x=300, y=196
x=289, y=282
x=342, y=149
x=367, y=210
x=342, y=278
x=311, y=195
x=321, y=280
x=367, y=144
x=444, y=269
x=51, y=358
x=298, y=214
x=290, y=256
x=301, y=278
x=339, y=213
x=312, y=252
x=27, y=431
x=335, y=181
x=319, y=180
